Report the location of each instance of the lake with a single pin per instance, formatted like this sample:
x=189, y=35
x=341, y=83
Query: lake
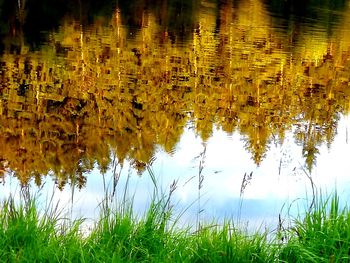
x=242, y=106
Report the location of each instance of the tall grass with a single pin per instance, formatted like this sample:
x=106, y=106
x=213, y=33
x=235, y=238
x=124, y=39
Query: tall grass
x=322, y=235
x=29, y=235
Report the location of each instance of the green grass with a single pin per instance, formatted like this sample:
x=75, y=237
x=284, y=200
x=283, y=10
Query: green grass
x=29, y=235
x=322, y=235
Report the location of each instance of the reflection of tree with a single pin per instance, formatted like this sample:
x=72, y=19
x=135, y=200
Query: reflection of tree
x=176, y=18
x=91, y=93
x=27, y=16
x=316, y=13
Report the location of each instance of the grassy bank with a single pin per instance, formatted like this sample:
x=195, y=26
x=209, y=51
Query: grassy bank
x=29, y=235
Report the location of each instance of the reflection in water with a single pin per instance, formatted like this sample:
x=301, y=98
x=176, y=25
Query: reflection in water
x=113, y=88
x=279, y=182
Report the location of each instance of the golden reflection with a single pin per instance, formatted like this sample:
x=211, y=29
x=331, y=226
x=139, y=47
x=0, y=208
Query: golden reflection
x=92, y=92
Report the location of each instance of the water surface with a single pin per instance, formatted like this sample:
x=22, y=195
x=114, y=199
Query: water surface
x=243, y=103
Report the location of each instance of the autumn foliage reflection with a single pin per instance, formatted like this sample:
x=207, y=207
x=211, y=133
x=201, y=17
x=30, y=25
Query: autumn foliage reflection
x=92, y=93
